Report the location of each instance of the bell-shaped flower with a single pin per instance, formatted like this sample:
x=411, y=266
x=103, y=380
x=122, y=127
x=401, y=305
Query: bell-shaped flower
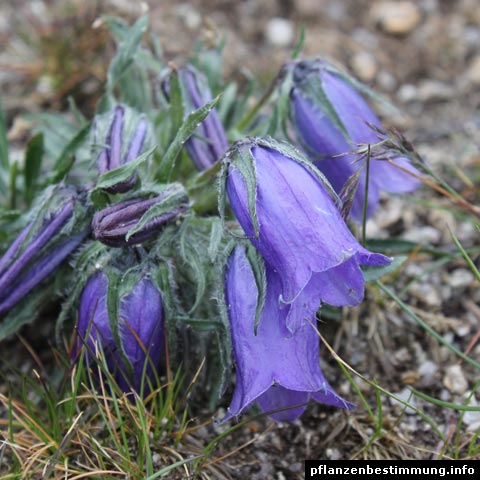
x=287, y=210
x=139, y=325
x=123, y=142
x=275, y=369
x=332, y=121
x=134, y=221
x=209, y=141
x=38, y=250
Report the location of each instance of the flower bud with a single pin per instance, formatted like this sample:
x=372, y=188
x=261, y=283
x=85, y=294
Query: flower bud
x=140, y=323
x=112, y=225
x=115, y=153
x=35, y=253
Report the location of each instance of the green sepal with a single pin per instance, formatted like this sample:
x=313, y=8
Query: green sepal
x=258, y=267
x=371, y=274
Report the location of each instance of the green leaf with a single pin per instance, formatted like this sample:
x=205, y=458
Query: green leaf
x=4, y=163
x=175, y=100
x=172, y=200
x=33, y=163
x=184, y=133
x=117, y=26
x=66, y=159
x=126, y=52
x=370, y=274
x=300, y=42
x=123, y=173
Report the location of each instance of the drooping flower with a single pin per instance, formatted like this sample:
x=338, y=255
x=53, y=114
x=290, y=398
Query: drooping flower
x=275, y=369
x=286, y=209
x=35, y=253
x=112, y=224
x=209, y=142
x=140, y=330
x=116, y=153
x=332, y=119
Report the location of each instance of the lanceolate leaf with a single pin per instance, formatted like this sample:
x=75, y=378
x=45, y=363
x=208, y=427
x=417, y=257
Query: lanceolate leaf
x=33, y=163
x=184, y=133
x=126, y=52
x=122, y=173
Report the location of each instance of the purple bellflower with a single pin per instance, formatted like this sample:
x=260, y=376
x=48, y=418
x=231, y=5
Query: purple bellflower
x=275, y=369
x=34, y=255
x=332, y=120
x=112, y=225
x=114, y=154
x=209, y=142
x=286, y=209
x=140, y=330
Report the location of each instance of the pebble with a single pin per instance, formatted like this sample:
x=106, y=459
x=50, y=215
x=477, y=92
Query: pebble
x=471, y=419
x=407, y=93
x=407, y=396
x=427, y=294
x=455, y=380
x=425, y=235
x=190, y=17
x=280, y=32
x=473, y=72
x=428, y=369
x=386, y=81
x=365, y=66
x=461, y=278
x=396, y=18
x=432, y=90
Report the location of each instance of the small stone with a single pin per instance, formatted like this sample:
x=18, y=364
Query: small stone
x=471, y=419
x=407, y=396
x=424, y=235
x=333, y=454
x=189, y=16
x=473, y=72
x=431, y=90
x=461, y=278
x=428, y=369
x=407, y=93
x=396, y=18
x=427, y=294
x=386, y=81
x=365, y=66
x=455, y=380
x=280, y=32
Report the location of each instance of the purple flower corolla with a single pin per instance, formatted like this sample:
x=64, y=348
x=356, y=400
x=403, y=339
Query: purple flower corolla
x=23, y=267
x=275, y=369
x=332, y=119
x=209, y=141
x=301, y=234
x=112, y=155
x=140, y=329
x=112, y=224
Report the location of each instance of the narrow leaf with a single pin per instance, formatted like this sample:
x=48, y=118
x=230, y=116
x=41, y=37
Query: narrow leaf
x=66, y=159
x=184, y=133
x=123, y=173
x=33, y=163
x=126, y=52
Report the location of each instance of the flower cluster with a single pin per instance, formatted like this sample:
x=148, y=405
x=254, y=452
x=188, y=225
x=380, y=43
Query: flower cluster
x=136, y=245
